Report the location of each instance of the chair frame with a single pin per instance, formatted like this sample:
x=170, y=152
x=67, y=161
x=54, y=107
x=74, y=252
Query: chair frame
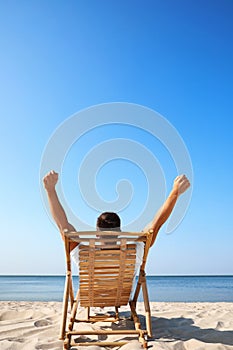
x=68, y=298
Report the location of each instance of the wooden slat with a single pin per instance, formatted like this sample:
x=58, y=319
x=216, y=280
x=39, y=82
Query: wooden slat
x=105, y=264
x=107, y=331
x=99, y=283
x=100, y=273
x=130, y=249
x=71, y=234
x=110, y=282
x=103, y=258
x=99, y=343
x=104, y=248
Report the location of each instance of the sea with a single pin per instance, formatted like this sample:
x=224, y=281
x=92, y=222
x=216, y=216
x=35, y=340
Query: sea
x=160, y=288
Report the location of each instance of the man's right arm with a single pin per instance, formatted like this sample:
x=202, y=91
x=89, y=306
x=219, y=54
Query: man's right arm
x=57, y=211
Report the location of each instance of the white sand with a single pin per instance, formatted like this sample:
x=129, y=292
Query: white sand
x=177, y=326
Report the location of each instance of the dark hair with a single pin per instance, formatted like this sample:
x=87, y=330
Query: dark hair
x=108, y=220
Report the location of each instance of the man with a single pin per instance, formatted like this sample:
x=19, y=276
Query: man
x=109, y=220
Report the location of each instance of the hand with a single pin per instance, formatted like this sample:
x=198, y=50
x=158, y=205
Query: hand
x=181, y=184
x=50, y=180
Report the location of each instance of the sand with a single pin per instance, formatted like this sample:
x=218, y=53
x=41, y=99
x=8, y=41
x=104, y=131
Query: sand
x=178, y=326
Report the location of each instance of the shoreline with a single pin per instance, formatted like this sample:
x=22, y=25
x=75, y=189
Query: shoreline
x=28, y=325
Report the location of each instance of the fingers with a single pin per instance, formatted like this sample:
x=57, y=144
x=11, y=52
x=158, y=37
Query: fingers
x=50, y=178
x=180, y=178
x=184, y=186
x=52, y=172
x=183, y=183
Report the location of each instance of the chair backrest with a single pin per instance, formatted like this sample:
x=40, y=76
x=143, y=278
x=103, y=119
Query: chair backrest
x=107, y=265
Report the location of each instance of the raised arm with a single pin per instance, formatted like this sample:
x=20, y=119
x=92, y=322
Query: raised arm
x=180, y=185
x=50, y=180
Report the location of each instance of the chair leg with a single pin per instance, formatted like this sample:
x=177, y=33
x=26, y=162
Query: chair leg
x=136, y=294
x=71, y=291
x=147, y=309
x=137, y=290
x=137, y=324
x=65, y=308
x=74, y=311
x=66, y=344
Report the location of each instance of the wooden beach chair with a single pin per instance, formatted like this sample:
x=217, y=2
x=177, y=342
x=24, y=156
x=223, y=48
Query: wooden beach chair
x=106, y=277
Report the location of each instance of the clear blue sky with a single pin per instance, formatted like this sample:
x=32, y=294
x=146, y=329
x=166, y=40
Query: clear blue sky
x=59, y=57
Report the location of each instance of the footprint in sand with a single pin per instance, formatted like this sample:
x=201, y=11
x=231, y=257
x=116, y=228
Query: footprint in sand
x=42, y=323
x=10, y=315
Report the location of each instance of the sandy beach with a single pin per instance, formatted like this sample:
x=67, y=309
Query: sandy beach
x=178, y=326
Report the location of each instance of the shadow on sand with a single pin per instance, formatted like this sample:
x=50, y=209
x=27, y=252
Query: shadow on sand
x=183, y=329
x=173, y=329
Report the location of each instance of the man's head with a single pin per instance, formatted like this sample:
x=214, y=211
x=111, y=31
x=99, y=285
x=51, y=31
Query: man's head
x=108, y=221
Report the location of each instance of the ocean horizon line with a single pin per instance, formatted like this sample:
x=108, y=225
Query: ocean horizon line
x=148, y=275
x=174, y=288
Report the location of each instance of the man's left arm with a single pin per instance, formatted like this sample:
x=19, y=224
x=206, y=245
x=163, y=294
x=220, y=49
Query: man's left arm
x=180, y=185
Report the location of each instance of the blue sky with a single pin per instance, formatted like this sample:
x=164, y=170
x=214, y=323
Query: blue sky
x=60, y=57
